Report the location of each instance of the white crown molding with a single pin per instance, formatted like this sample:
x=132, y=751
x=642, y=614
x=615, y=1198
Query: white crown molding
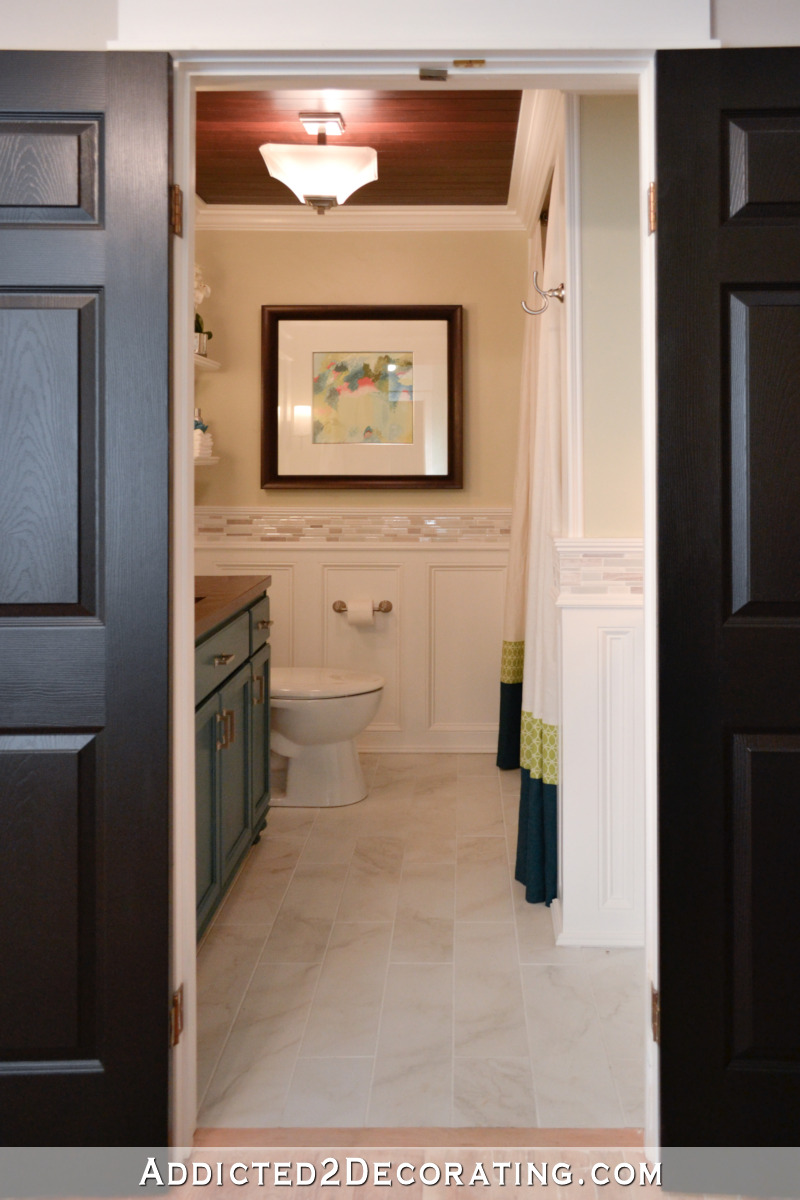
x=291, y=218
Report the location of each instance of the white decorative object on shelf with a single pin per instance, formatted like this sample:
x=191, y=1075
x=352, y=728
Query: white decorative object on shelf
x=203, y=440
x=206, y=462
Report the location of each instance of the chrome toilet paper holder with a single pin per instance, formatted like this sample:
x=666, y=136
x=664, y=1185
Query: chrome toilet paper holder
x=383, y=606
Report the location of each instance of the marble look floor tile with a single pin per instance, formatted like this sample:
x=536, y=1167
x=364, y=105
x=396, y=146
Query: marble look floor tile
x=629, y=1077
x=329, y=1091
x=256, y=1066
x=510, y=782
x=436, y=845
x=419, y=939
x=291, y=820
x=297, y=939
x=343, y=1021
x=561, y=1011
x=417, y=1014
x=483, y=892
x=480, y=816
x=620, y=994
x=493, y=1091
x=427, y=890
x=489, y=1010
x=373, y=880
x=329, y=846
x=225, y=964
x=443, y=789
x=477, y=764
x=315, y=890
x=410, y=1090
x=575, y=1089
x=259, y=890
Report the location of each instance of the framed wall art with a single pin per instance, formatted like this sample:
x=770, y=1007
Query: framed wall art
x=362, y=396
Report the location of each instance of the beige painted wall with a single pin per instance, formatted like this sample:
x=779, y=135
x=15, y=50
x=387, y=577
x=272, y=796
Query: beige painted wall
x=612, y=387
x=485, y=272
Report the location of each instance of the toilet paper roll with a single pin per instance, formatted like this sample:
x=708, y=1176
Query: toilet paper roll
x=360, y=612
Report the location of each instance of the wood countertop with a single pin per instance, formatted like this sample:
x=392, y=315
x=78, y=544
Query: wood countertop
x=219, y=597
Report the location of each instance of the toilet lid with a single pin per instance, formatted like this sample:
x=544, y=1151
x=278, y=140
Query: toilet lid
x=307, y=683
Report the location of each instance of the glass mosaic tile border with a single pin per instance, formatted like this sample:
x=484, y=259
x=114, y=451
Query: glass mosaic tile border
x=599, y=566
x=354, y=526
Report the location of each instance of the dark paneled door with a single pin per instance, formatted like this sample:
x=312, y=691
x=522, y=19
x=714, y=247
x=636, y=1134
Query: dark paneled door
x=729, y=594
x=84, y=304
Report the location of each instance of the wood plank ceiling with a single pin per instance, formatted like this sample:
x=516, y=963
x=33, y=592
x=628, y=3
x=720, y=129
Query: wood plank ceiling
x=447, y=147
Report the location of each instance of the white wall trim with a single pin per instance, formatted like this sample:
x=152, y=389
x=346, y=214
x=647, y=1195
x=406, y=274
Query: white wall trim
x=601, y=793
x=616, y=668
x=572, y=450
x=647, y=172
x=287, y=218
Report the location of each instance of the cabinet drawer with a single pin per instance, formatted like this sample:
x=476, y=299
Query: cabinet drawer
x=220, y=655
x=259, y=624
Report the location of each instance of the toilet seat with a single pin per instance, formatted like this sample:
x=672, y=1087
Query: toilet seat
x=320, y=683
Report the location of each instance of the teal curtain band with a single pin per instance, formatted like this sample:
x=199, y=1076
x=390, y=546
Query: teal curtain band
x=537, y=844
x=508, y=733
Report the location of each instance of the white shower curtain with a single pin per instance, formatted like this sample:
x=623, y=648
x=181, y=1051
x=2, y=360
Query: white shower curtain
x=529, y=672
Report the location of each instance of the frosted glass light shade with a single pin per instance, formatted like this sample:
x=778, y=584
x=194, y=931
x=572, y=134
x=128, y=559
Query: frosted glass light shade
x=321, y=170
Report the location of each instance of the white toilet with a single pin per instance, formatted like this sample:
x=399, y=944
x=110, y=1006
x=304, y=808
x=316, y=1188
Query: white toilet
x=316, y=712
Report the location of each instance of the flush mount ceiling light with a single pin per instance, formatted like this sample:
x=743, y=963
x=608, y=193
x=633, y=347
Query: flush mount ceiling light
x=320, y=175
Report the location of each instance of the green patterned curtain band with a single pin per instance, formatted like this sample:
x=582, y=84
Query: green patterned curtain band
x=512, y=662
x=539, y=748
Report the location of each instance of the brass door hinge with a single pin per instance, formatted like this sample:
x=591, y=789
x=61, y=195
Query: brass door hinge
x=176, y=209
x=652, y=214
x=176, y=1017
x=655, y=1015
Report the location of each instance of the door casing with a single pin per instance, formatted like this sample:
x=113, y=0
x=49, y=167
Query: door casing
x=570, y=72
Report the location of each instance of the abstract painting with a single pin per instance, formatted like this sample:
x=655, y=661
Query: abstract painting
x=363, y=398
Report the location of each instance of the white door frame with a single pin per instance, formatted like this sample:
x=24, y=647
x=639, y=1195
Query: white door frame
x=569, y=71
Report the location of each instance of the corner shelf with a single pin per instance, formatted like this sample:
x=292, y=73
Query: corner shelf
x=210, y=461
x=203, y=363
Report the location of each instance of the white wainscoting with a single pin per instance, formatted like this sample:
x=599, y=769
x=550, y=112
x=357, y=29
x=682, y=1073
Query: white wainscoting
x=601, y=798
x=439, y=649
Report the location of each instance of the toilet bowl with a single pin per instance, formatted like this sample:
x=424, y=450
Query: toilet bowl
x=315, y=713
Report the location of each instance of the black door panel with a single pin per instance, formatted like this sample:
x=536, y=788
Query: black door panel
x=84, y=319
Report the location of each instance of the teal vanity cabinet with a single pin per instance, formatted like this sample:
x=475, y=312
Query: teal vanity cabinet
x=231, y=729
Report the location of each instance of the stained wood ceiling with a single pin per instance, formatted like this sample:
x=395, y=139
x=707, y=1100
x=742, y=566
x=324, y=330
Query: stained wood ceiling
x=448, y=147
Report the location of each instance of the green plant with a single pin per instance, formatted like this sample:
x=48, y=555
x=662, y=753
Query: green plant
x=198, y=326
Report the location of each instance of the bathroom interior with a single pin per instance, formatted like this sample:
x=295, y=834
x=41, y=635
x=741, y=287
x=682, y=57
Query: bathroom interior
x=374, y=964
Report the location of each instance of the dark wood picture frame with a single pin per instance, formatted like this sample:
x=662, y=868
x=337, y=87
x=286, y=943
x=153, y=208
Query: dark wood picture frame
x=272, y=316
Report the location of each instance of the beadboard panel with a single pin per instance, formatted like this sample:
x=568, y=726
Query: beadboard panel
x=438, y=650
x=602, y=773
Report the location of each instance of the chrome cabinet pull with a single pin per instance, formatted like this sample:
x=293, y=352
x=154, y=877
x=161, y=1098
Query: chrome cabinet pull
x=222, y=660
x=222, y=741
x=259, y=694
x=230, y=720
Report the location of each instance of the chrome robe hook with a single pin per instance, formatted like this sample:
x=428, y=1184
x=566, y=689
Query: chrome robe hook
x=556, y=293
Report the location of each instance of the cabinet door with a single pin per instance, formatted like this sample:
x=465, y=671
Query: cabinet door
x=207, y=866
x=234, y=771
x=259, y=745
